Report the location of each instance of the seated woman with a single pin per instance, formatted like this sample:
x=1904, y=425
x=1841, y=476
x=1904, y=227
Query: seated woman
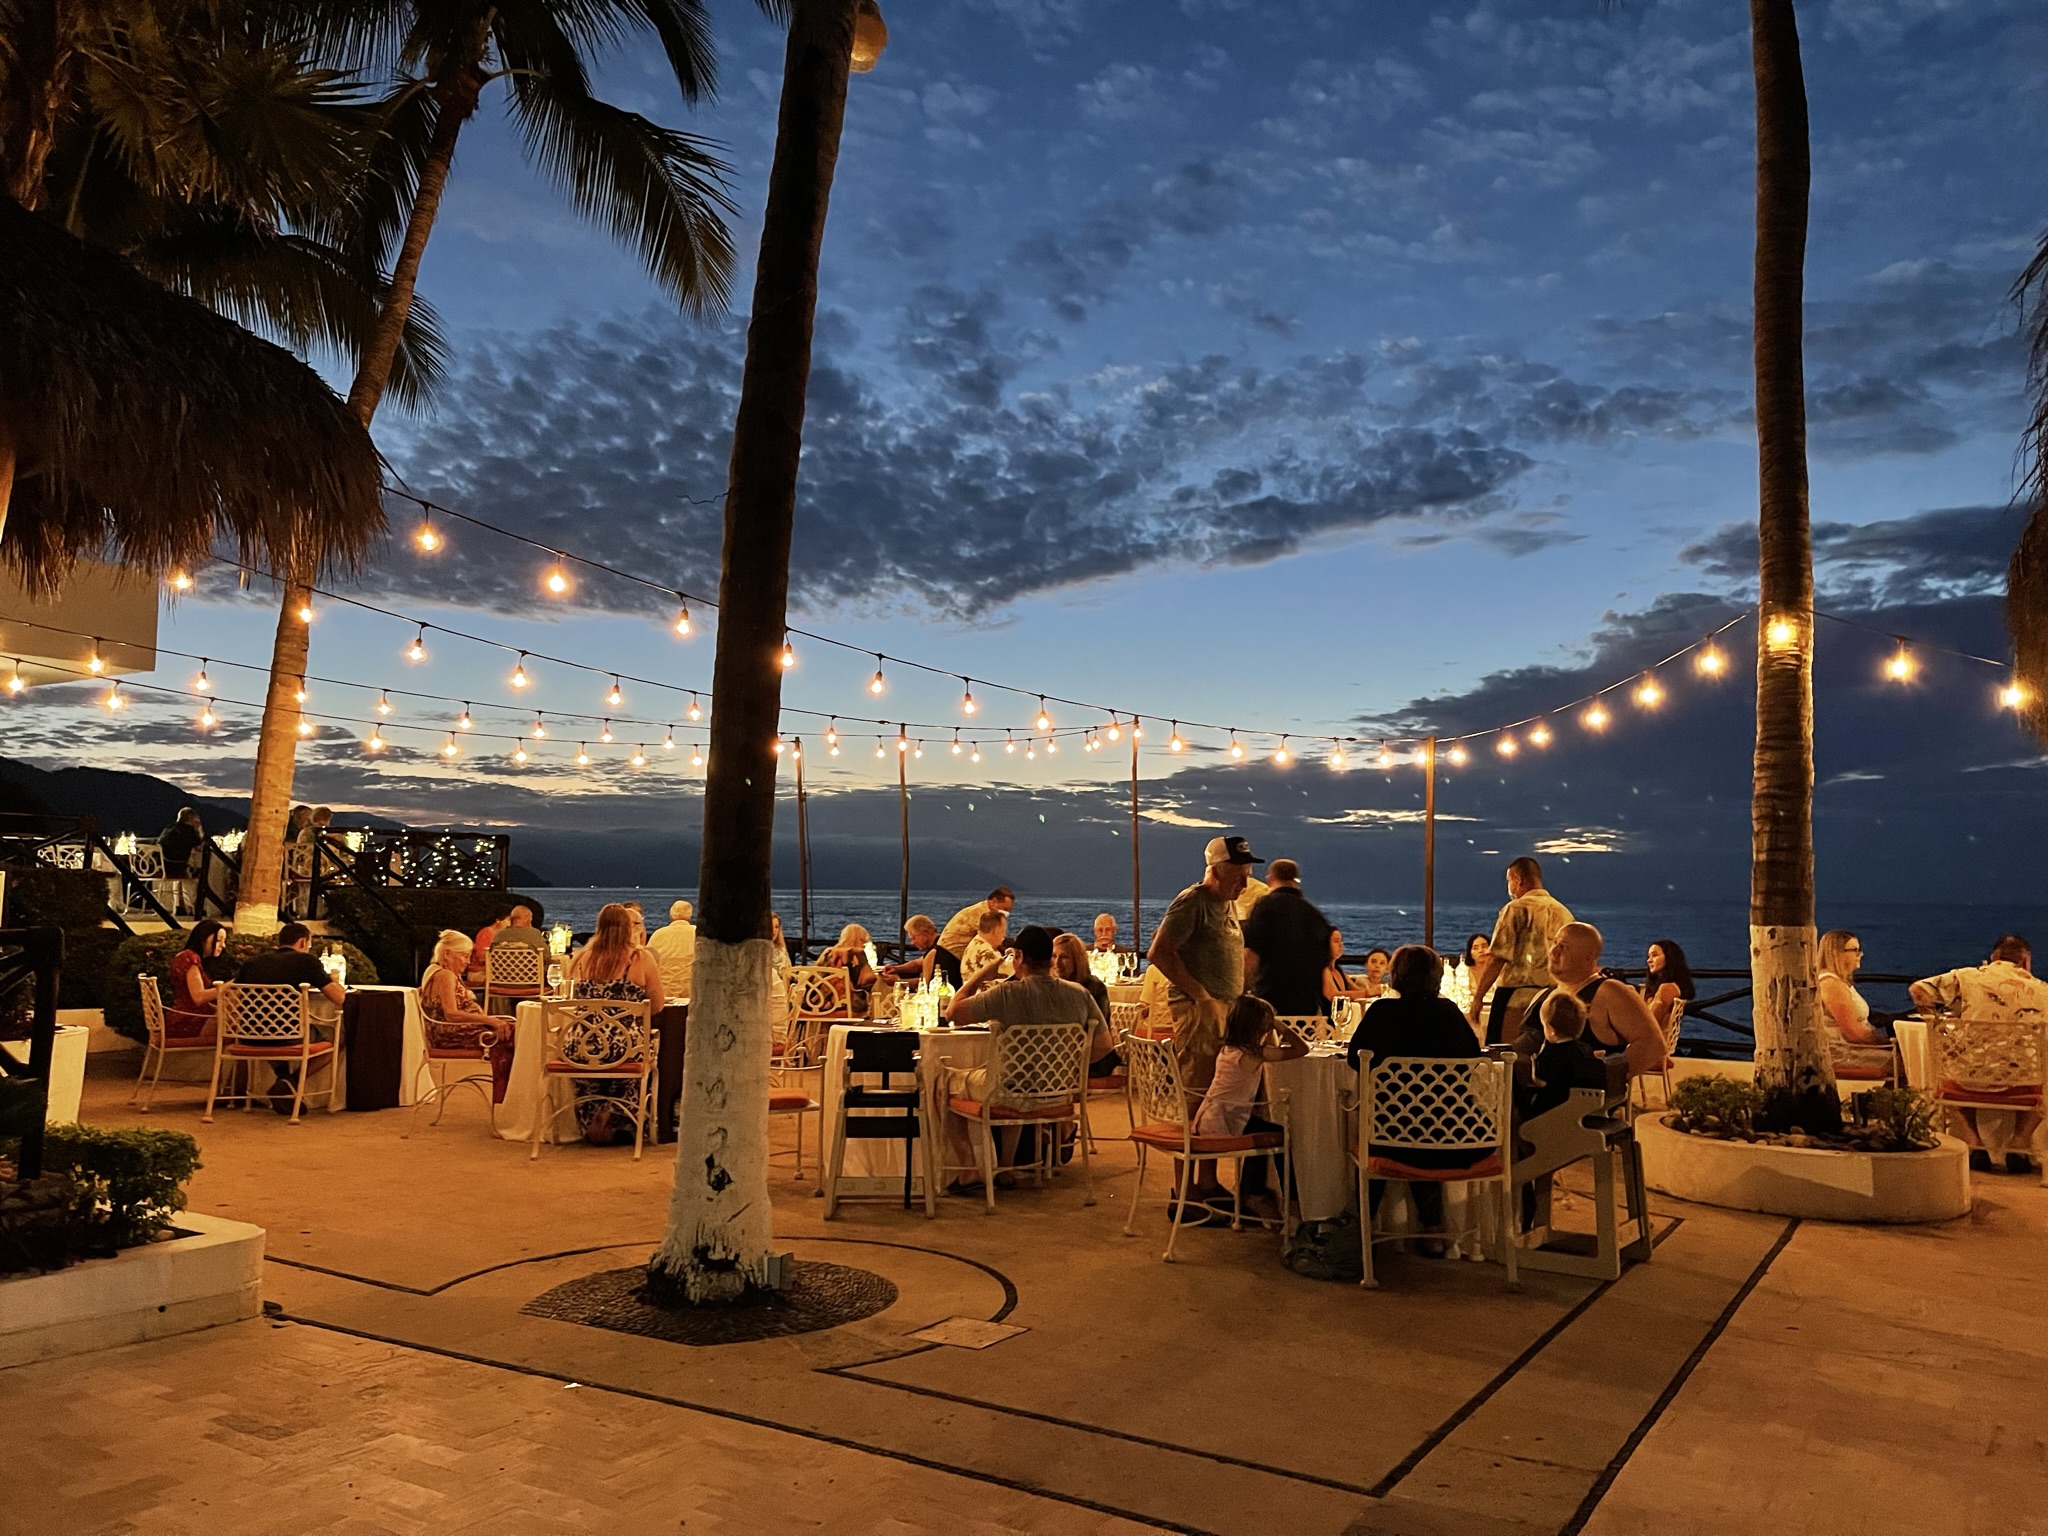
x=1251, y=1038
x=190, y=1010
x=453, y=1021
x=1374, y=982
x=1859, y=1045
x=1416, y=1021
x=1070, y=963
x=1668, y=986
x=850, y=955
x=612, y=967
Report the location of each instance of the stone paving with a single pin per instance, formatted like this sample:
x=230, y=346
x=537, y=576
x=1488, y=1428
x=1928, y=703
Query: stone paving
x=1758, y=1375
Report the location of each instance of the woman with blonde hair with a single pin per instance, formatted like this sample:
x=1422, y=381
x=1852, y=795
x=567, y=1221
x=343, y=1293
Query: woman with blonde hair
x=451, y=1017
x=850, y=954
x=612, y=966
x=1070, y=963
x=1855, y=1040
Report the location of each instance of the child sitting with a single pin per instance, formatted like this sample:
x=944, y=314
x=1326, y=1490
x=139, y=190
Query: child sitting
x=1251, y=1038
x=1566, y=1060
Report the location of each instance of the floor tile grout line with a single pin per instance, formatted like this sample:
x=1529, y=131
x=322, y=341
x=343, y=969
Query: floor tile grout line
x=1512, y=1369
x=908, y=1458
x=1672, y=1388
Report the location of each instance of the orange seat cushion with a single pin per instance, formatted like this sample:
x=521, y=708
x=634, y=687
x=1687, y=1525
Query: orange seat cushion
x=2016, y=1095
x=1168, y=1136
x=456, y=1053
x=619, y=1069
x=281, y=1050
x=1100, y=1084
x=1393, y=1168
x=788, y=1099
x=1858, y=1072
x=972, y=1109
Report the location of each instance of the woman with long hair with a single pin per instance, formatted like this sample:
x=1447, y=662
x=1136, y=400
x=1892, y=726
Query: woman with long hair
x=1070, y=963
x=451, y=1017
x=195, y=991
x=850, y=955
x=1667, y=984
x=612, y=966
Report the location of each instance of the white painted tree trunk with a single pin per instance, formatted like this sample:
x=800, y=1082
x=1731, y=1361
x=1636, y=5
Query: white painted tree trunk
x=720, y=1220
x=1791, y=1044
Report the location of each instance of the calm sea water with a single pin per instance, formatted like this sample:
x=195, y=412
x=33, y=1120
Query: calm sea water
x=1897, y=937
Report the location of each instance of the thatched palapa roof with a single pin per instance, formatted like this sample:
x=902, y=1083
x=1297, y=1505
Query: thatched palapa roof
x=146, y=427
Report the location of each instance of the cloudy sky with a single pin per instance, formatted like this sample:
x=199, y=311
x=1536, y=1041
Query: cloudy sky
x=1296, y=366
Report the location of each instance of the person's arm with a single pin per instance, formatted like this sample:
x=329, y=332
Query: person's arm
x=649, y=979
x=980, y=976
x=1490, y=969
x=1165, y=953
x=966, y=1007
x=1630, y=1016
x=334, y=993
x=1284, y=1044
x=1930, y=995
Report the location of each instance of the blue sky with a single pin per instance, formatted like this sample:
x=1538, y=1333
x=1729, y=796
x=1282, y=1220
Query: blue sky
x=1294, y=366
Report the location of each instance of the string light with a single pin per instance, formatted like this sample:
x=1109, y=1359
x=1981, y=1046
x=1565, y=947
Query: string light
x=1030, y=753
x=876, y=685
x=1648, y=694
x=465, y=723
x=639, y=757
x=682, y=625
x=417, y=651
x=540, y=730
x=1052, y=747
x=796, y=749
x=695, y=712
x=616, y=697
x=202, y=683
x=1782, y=633
x=1009, y=743
x=181, y=580
x=1507, y=746
x=582, y=755
x=1044, y=720
x=1900, y=666
x=1137, y=729
x=207, y=718
x=305, y=726
x=383, y=702
x=902, y=741
x=519, y=677
x=974, y=753
x=831, y=735
x=16, y=683
x=696, y=758
x=1281, y=756
x=1458, y=755
x=1336, y=759
x=1596, y=716
x=668, y=740
x=1539, y=735
x=2013, y=695
x=519, y=753
x=424, y=537
x=788, y=657
x=967, y=704
x=1711, y=661
x=375, y=741
x=449, y=750
x=95, y=663
x=305, y=611
x=1173, y=742
x=1116, y=732
x=1386, y=756
x=775, y=746
x=880, y=751
x=957, y=748
x=299, y=693
x=918, y=750
x=1236, y=751
x=557, y=579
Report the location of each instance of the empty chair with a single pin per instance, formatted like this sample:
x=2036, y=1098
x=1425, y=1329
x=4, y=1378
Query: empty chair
x=595, y=1040
x=887, y=1111
x=1418, y=1114
x=161, y=1043
x=274, y=1024
x=1160, y=1120
x=514, y=974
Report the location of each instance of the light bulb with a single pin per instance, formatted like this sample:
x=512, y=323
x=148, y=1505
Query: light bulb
x=1647, y=693
x=1595, y=717
x=1052, y=746
x=832, y=733
x=181, y=580
x=1507, y=746
x=880, y=751
x=540, y=730
x=1900, y=666
x=696, y=758
x=519, y=753
x=417, y=651
x=207, y=718
x=425, y=538
x=1009, y=743
x=1336, y=759
x=465, y=723
x=683, y=621
x=788, y=656
x=918, y=750
x=1137, y=729
x=556, y=580
x=957, y=747
x=1458, y=754
x=668, y=741
x=1782, y=633
x=902, y=742
x=695, y=712
x=796, y=750
x=1386, y=755
x=615, y=698
x=305, y=726
x=375, y=743
x=1711, y=661
x=15, y=681
x=113, y=701
x=1281, y=755
x=1044, y=720
x=1030, y=753
x=974, y=753
x=305, y=612
x=639, y=757
x=1173, y=742
x=775, y=746
x=1236, y=750
x=383, y=703
x=1539, y=735
x=448, y=748
x=582, y=755
x=2013, y=695
x=1116, y=732
x=876, y=685
x=519, y=677
x=605, y=734
x=202, y=683
x=95, y=663
x=967, y=704
x=299, y=693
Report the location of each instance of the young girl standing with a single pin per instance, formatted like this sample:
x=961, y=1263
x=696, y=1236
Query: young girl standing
x=1251, y=1038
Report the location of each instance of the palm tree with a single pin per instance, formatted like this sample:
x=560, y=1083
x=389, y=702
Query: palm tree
x=2026, y=585
x=720, y=1225
x=654, y=185
x=1792, y=1064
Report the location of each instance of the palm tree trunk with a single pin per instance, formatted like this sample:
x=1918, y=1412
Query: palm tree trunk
x=1792, y=1062
x=46, y=51
x=277, y=742
x=720, y=1224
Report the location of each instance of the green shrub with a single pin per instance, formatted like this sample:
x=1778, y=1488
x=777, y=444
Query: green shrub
x=150, y=953
x=1896, y=1119
x=1715, y=1106
x=130, y=1182
x=402, y=948
x=75, y=900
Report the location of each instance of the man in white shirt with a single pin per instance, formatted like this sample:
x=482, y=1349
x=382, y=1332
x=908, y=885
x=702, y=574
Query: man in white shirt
x=675, y=951
x=2003, y=990
x=961, y=928
x=1105, y=933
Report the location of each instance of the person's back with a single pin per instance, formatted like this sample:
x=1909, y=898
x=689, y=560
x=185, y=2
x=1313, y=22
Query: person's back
x=179, y=841
x=1998, y=991
x=675, y=951
x=282, y=967
x=1412, y=1026
x=1291, y=938
x=1529, y=925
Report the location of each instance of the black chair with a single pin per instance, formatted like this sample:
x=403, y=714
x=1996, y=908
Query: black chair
x=887, y=1111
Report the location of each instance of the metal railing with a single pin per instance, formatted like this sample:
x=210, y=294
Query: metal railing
x=32, y=956
x=76, y=842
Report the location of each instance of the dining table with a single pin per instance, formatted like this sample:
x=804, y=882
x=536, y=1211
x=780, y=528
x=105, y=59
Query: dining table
x=876, y=1167
x=384, y=1048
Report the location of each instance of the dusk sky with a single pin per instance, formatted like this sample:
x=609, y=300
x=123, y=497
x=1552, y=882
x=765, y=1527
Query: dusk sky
x=1313, y=367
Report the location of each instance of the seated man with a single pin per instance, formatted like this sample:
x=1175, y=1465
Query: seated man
x=985, y=950
x=923, y=935
x=1617, y=1017
x=514, y=930
x=1105, y=933
x=2003, y=989
x=675, y=951
x=291, y=964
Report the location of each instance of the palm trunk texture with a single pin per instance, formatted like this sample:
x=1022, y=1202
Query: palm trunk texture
x=277, y=743
x=1792, y=1062
x=720, y=1226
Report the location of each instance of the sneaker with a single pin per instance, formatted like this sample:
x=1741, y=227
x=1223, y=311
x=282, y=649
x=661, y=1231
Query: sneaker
x=2018, y=1162
x=1980, y=1160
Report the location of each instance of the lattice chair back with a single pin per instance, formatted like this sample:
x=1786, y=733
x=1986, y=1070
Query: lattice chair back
x=152, y=1009
x=1039, y=1064
x=1156, y=1096
x=1989, y=1060
x=1312, y=1027
x=515, y=965
x=1125, y=1017
x=1673, y=1026
x=596, y=1035
x=263, y=1013
x=1439, y=1103
x=820, y=992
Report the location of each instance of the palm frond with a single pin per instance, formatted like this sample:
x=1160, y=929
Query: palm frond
x=662, y=190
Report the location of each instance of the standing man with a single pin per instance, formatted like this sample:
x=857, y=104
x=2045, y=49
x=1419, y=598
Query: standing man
x=2003, y=989
x=1105, y=933
x=180, y=844
x=1287, y=946
x=961, y=928
x=1519, y=958
x=1199, y=948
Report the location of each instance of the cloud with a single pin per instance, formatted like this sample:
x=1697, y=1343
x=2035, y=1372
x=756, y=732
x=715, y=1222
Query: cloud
x=1076, y=264
x=1926, y=558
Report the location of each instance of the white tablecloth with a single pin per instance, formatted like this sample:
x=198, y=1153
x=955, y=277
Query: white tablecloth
x=1308, y=1095
x=1911, y=1035
x=531, y=1091
x=876, y=1167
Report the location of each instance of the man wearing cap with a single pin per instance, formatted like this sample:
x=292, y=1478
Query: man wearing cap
x=1287, y=946
x=1199, y=947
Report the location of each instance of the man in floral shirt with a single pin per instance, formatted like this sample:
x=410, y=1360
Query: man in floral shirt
x=2001, y=990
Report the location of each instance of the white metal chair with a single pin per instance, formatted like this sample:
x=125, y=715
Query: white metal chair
x=1160, y=1119
x=514, y=973
x=146, y=871
x=1993, y=1064
x=1039, y=1077
x=1314, y=1028
x=1438, y=1104
x=797, y=1065
x=272, y=1023
x=160, y=1044
x=589, y=1040
x=435, y=1061
x=1670, y=1024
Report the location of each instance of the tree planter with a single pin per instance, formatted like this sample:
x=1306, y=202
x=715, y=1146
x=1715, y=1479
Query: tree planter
x=209, y=1273
x=67, y=1071
x=1807, y=1181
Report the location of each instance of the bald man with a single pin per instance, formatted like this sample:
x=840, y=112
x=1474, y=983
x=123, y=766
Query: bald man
x=1617, y=1017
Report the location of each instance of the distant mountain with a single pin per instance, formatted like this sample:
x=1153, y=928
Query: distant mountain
x=142, y=803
